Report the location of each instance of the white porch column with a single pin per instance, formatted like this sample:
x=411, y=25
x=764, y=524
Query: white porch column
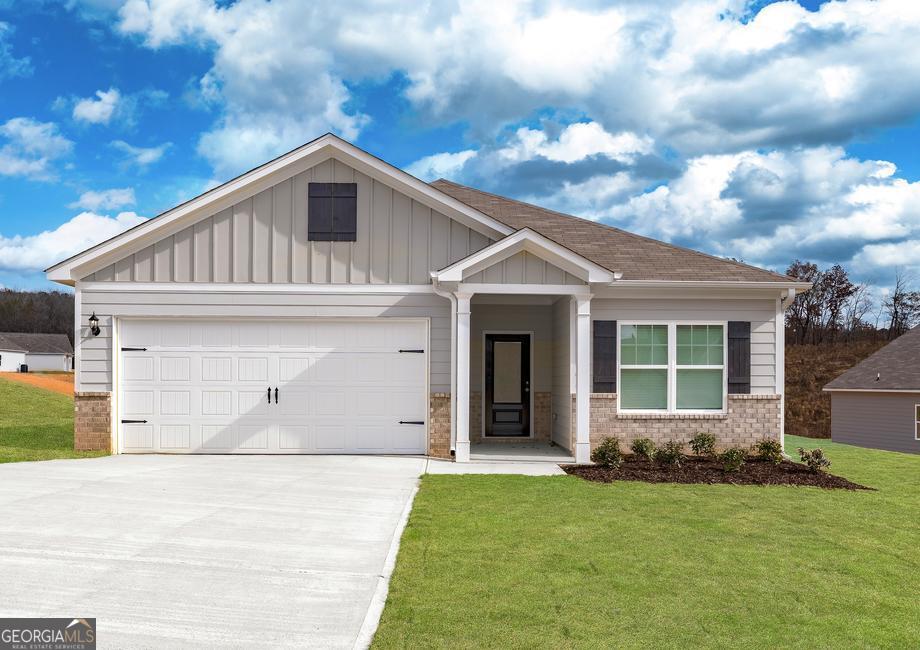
x=583, y=380
x=462, y=444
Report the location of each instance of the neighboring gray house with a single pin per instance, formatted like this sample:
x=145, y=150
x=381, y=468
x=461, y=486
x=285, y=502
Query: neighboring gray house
x=876, y=403
x=327, y=302
x=37, y=351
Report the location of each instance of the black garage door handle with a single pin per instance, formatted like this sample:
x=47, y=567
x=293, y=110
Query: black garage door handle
x=134, y=421
x=412, y=422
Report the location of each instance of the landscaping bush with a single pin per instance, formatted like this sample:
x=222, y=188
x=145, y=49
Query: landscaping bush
x=643, y=448
x=703, y=444
x=670, y=453
x=733, y=459
x=607, y=454
x=769, y=450
x=814, y=459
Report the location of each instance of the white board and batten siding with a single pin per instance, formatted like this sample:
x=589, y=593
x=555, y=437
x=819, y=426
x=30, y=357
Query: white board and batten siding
x=523, y=268
x=761, y=313
x=263, y=239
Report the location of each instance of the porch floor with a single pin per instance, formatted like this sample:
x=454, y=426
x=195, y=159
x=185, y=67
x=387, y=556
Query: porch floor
x=524, y=451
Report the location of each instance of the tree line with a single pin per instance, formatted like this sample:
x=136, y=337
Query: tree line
x=37, y=312
x=837, y=309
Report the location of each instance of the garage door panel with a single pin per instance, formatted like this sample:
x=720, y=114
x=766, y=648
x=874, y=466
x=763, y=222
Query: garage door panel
x=252, y=369
x=294, y=437
x=330, y=436
x=342, y=386
x=216, y=369
x=175, y=402
x=138, y=369
x=138, y=403
x=294, y=402
x=175, y=369
x=217, y=403
x=175, y=436
x=253, y=436
x=138, y=436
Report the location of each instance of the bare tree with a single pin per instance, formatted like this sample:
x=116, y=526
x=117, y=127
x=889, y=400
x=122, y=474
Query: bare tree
x=902, y=306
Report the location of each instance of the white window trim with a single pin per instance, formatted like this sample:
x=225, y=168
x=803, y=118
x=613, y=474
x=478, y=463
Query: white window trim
x=916, y=422
x=672, y=368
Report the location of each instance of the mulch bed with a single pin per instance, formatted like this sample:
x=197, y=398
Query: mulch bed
x=709, y=470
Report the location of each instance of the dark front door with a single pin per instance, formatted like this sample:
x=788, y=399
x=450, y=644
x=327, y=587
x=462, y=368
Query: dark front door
x=507, y=386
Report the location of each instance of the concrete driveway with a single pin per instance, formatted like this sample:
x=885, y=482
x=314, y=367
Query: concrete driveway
x=229, y=551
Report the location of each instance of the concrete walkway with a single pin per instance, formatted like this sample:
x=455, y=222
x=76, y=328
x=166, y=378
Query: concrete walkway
x=205, y=551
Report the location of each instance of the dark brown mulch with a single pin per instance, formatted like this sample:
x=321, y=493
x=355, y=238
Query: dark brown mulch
x=709, y=470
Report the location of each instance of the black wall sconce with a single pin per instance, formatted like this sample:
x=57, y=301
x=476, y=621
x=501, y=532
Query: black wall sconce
x=94, y=324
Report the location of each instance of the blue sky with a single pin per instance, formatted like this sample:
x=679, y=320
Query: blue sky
x=758, y=130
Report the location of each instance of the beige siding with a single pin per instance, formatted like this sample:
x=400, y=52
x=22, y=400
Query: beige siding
x=876, y=419
x=760, y=313
x=521, y=268
x=95, y=370
x=263, y=239
x=562, y=391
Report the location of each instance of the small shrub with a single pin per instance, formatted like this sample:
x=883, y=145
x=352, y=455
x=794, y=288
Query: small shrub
x=607, y=454
x=670, y=453
x=769, y=450
x=814, y=459
x=643, y=448
x=703, y=444
x=733, y=459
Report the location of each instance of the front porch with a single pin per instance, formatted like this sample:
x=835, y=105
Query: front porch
x=519, y=452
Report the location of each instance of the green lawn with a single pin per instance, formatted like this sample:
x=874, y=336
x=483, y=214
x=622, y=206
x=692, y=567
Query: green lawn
x=555, y=562
x=36, y=424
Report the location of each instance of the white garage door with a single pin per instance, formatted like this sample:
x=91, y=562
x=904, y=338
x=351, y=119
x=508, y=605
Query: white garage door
x=295, y=387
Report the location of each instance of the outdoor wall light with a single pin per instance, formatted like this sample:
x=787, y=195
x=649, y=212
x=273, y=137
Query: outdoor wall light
x=94, y=324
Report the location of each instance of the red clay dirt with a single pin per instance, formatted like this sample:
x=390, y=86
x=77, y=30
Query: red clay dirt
x=59, y=382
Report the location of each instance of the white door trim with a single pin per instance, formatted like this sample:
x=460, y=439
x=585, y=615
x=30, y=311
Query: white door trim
x=482, y=407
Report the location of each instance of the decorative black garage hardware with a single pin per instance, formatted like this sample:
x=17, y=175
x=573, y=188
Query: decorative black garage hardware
x=269, y=394
x=412, y=422
x=276, y=396
x=134, y=349
x=413, y=351
x=134, y=421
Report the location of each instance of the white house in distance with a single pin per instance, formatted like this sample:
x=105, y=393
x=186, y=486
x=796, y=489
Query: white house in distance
x=44, y=352
x=328, y=302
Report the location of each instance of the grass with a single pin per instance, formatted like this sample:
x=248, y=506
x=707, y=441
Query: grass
x=558, y=562
x=36, y=424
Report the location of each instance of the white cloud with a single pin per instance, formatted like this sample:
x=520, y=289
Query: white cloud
x=105, y=199
x=704, y=76
x=99, y=110
x=31, y=147
x=37, y=252
x=141, y=156
x=440, y=165
x=10, y=66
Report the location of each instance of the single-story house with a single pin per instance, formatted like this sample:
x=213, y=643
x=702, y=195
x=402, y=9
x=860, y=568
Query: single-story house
x=328, y=302
x=876, y=403
x=37, y=351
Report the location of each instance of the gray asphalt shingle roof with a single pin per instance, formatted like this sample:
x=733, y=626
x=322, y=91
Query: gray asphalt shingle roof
x=35, y=343
x=635, y=256
x=895, y=367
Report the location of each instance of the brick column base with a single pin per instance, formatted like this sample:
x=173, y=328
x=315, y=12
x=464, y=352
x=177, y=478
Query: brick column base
x=439, y=425
x=92, y=424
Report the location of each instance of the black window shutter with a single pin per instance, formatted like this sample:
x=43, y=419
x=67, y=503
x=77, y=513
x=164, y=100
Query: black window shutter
x=605, y=356
x=332, y=211
x=345, y=212
x=739, y=357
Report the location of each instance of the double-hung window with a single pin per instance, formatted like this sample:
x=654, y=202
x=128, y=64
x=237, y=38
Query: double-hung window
x=917, y=422
x=672, y=367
